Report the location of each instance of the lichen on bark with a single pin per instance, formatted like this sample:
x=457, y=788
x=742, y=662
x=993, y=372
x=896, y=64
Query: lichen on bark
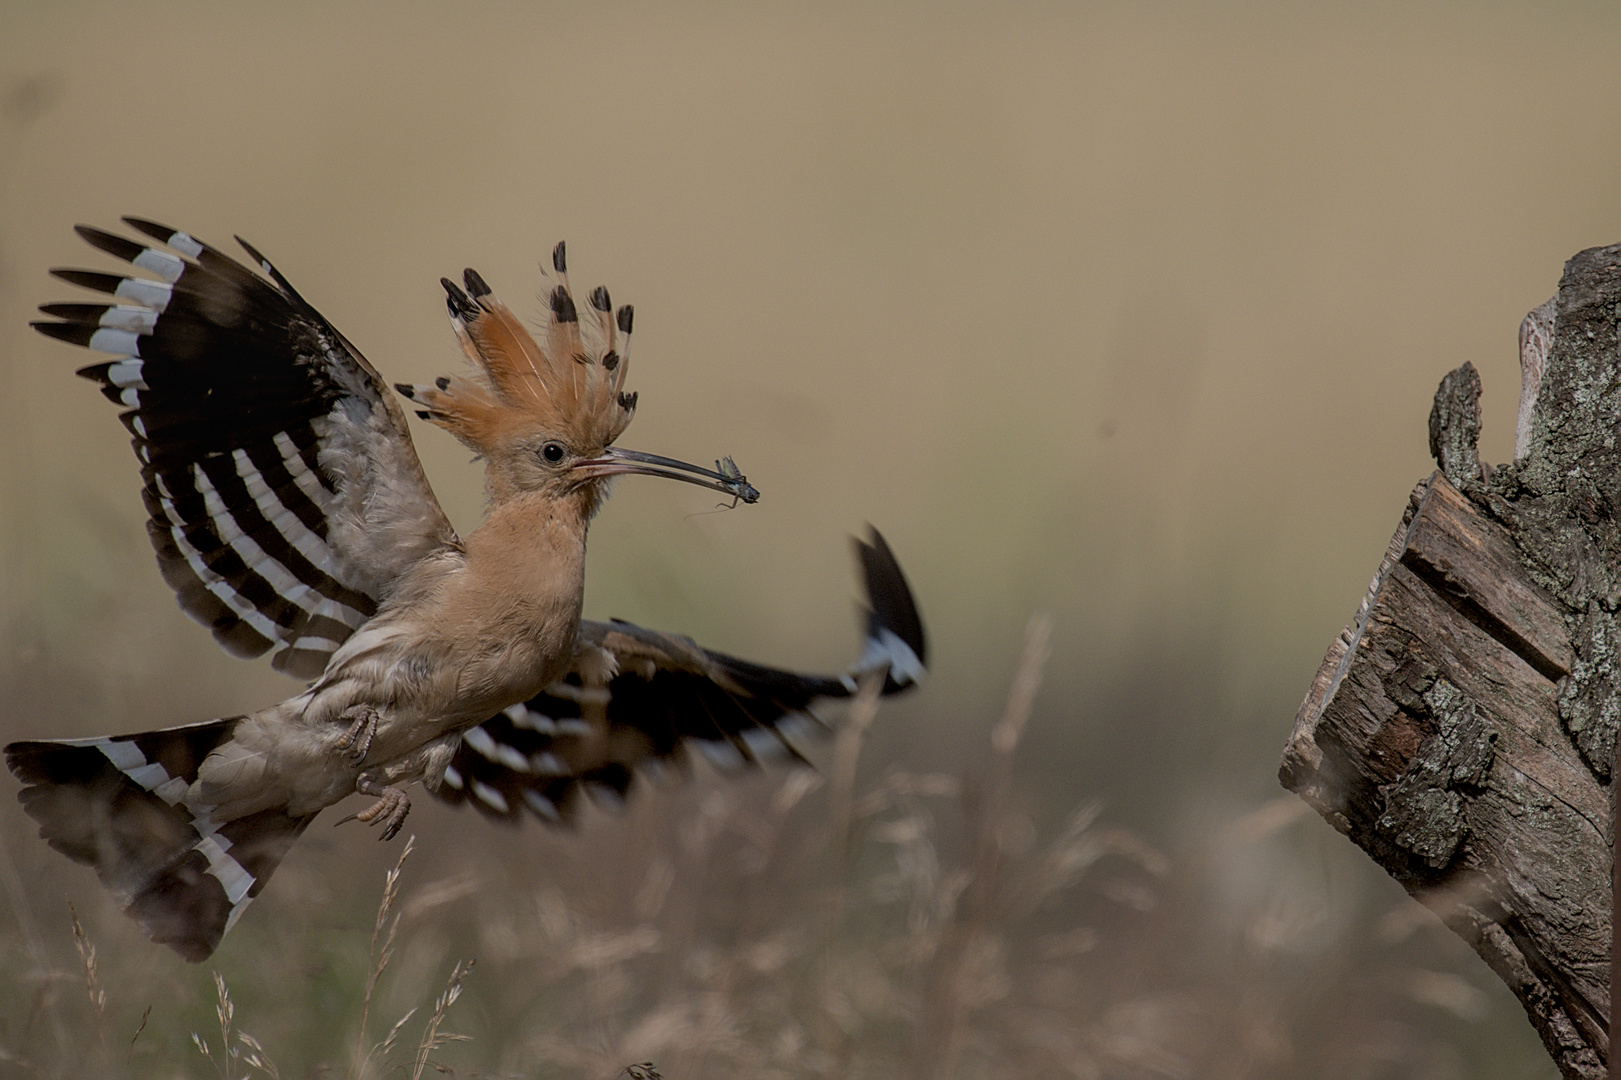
x=1424, y=811
x=1560, y=500
x=1455, y=427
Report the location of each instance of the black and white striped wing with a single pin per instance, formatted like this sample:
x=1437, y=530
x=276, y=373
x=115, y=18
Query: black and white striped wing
x=636, y=698
x=663, y=694
x=284, y=493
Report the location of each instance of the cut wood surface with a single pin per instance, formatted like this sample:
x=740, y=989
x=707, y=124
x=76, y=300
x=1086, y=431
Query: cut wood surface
x=1461, y=730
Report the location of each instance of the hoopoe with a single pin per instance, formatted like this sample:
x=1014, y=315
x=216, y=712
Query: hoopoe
x=289, y=514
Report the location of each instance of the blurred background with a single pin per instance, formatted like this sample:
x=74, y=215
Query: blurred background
x=1129, y=314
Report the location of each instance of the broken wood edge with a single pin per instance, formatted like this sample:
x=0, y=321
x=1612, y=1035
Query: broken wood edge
x=1302, y=758
x=1460, y=897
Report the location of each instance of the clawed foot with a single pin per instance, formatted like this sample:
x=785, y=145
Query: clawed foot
x=391, y=806
x=356, y=742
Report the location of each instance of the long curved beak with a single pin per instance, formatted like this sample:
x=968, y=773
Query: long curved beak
x=724, y=477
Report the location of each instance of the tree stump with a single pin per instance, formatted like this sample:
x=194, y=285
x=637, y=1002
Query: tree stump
x=1462, y=730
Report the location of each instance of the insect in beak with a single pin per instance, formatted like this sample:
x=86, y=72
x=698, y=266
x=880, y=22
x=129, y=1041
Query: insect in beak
x=725, y=477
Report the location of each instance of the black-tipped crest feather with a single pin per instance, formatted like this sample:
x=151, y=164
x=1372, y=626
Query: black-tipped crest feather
x=563, y=306
x=460, y=304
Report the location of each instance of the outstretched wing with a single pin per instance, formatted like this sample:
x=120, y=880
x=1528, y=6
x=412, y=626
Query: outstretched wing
x=634, y=697
x=285, y=495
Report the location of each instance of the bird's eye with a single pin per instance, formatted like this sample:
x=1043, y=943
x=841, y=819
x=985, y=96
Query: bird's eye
x=553, y=452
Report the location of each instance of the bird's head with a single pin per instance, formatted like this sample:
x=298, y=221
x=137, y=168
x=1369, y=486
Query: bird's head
x=544, y=414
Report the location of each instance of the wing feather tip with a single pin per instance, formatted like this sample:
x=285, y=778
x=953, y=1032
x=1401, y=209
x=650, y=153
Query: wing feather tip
x=895, y=634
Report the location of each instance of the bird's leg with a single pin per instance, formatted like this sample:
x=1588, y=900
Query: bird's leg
x=356, y=742
x=391, y=806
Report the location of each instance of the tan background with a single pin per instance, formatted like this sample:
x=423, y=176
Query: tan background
x=1130, y=313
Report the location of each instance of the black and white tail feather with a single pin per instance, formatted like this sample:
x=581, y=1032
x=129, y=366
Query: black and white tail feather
x=119, y=804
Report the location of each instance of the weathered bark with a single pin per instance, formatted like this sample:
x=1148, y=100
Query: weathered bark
x=1462, y=729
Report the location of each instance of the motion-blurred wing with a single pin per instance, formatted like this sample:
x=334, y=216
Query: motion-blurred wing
x=285, y=495
x=638, y=696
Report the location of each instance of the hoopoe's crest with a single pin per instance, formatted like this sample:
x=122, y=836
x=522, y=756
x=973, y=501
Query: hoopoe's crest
x=567, y=384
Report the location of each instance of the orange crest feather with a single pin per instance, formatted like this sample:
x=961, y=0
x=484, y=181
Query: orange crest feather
x=572, y=387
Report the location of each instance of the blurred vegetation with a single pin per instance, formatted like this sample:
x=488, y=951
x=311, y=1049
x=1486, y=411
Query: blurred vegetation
x=921, y=925
x=1127, y=313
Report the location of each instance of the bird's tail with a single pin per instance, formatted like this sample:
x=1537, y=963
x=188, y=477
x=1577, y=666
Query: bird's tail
x=120, y=804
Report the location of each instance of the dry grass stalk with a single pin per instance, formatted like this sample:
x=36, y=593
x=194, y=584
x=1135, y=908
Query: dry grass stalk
x=202, y=1047
x=847, y=743
x=145, y=1016
x=247, y=1048
x=225, y=1010
x=1004, y=742
x=255, y=1056
x=92, y=983
x=969, y=957
x=377, y=963
x=846, y=752
x=432, y=1037
x=386, y=1047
